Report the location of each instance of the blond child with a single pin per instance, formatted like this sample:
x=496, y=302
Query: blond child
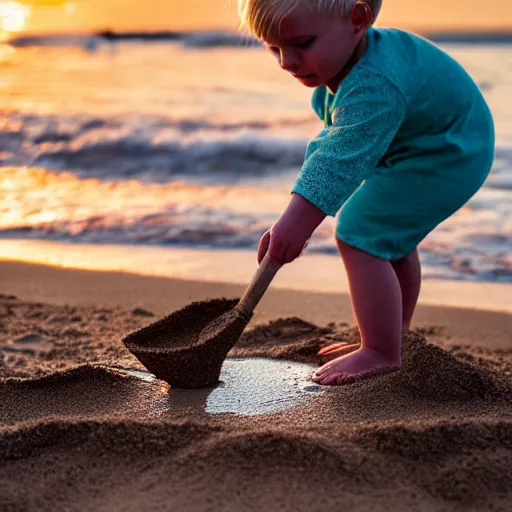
x=408, y=139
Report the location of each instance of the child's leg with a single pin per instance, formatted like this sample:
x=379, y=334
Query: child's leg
x=377, y=303
x=408, y=271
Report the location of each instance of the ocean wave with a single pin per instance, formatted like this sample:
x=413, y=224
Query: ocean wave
x=205, y=229
x=41, y=128
x=151, y=148
x=164, y=157
x=162, y=148
x=484, y=258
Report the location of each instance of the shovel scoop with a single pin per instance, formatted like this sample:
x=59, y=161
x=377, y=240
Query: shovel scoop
x=188, y=347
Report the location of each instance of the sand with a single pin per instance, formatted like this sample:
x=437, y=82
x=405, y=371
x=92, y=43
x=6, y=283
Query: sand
x=78, y=433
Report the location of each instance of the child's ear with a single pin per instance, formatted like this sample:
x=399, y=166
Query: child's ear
x=361, y=15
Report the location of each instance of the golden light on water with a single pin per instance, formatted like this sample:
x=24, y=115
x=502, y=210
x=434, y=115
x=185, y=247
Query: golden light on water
x=33, y=197
x=5, y=53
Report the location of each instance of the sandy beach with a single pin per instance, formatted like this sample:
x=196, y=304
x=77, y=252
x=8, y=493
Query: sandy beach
x=84, y=427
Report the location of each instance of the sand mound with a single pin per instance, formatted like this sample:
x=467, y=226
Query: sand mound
x=150, y=438
x=441, y=465
x=83, y=391
x=458, y=461
x=430, y=373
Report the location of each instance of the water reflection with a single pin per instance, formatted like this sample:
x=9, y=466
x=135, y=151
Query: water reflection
x=248, y=386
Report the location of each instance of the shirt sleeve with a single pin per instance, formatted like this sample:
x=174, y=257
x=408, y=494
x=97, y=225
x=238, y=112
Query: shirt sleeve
x=366, y=114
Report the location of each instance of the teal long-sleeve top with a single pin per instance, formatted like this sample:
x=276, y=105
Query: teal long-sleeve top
x=406, y=103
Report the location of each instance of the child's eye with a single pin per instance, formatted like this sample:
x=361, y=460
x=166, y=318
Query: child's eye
x=307, y=43
x=272, y=49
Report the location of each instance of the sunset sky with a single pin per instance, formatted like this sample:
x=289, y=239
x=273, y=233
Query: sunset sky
x=85, y=15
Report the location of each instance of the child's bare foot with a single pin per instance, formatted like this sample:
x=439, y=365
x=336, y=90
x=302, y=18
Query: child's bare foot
x=338, y=349
x=355, y=366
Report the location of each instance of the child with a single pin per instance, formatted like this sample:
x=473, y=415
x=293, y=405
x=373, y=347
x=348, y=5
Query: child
x=408, y=139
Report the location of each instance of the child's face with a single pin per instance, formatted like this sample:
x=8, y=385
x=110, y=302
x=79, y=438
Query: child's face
x=315, y=47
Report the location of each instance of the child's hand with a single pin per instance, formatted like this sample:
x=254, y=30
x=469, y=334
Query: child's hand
x=287, y=238
x=283, y=245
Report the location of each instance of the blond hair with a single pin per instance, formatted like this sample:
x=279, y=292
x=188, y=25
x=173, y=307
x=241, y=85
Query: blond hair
x=262, y=18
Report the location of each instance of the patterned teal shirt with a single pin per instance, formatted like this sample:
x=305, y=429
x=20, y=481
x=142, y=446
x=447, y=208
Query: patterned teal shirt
x=405, y=103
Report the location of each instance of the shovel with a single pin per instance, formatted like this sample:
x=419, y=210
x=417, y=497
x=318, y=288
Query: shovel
x=188, y=347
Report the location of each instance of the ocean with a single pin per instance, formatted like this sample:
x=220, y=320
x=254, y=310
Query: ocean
x=193, y=143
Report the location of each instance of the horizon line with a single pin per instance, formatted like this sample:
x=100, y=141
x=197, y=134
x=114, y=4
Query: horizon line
x=505, y=30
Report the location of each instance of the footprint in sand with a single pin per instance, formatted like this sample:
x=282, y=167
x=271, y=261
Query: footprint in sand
x=29, y=344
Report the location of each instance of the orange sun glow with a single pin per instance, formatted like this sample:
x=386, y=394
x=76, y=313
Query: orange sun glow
x=13, y=16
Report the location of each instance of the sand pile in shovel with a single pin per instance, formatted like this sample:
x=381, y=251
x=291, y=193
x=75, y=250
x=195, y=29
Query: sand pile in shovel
x=187, y=348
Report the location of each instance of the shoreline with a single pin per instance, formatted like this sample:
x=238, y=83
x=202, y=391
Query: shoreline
x=312, y=273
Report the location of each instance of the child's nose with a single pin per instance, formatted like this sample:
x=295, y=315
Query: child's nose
x=289, y=61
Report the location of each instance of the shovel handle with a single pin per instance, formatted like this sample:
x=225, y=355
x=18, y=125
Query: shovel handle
x=260, y=282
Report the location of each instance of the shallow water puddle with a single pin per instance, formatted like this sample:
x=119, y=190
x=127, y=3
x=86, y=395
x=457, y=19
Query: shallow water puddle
x=248, y=386
x=259, y=386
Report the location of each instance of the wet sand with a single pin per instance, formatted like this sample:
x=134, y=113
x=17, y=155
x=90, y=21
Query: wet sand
x=83, y=427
